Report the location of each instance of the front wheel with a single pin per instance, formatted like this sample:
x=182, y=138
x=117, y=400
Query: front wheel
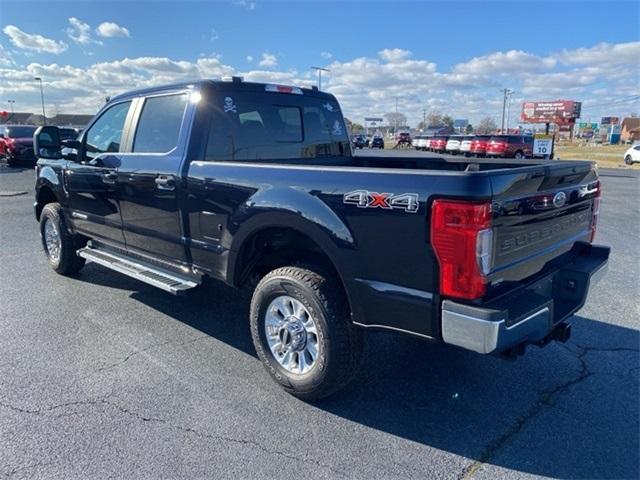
x=519, y=155
x=628, y=160
x=59, y=245
x=303, y=333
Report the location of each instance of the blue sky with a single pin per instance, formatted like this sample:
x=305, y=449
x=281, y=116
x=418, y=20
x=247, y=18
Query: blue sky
x=448, y=56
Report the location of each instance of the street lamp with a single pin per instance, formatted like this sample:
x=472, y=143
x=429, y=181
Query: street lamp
x=320, y=70
x=11, y=102
x=44, y=116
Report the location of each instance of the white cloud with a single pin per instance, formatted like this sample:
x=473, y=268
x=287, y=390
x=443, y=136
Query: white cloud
x=393, y=55
x=326, y=55
x=213, y=35
x=111, y=29
x=80, y=32
x=511, y=62
x=34, y=42
x=6, y=59
x=365, y=86
x=249, y=5
x=269, y=60
x=603, y=54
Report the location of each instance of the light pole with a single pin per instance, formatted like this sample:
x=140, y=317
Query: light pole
x=44, y=115
x=320, y=70
x=11, y=102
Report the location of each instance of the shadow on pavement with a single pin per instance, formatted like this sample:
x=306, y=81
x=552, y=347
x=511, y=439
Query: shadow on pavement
x=545, y=414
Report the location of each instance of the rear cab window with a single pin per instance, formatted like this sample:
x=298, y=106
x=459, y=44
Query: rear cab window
x=159, y=125
x=268, y=126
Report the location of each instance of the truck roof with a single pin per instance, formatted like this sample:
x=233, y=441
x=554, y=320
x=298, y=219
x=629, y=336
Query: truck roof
x=235, y=83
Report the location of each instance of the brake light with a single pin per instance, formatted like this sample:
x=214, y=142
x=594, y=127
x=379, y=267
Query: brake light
x=10, y=143
x=283, y=89
x=462, y=239
x=595, y=211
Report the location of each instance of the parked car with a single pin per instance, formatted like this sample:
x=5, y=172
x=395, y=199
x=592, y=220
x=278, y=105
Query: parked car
x=453, y=144
x=403, y=138
x=17, y=145
x=438, y=143
x=479, y=145
x=377, y=142
x=427, y=142
x=632, y=155
x=418, y=142
x=220, y=179
x=359, y=141
x=510, y=146
x=465, y=145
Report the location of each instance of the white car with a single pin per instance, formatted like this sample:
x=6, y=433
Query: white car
x=632, y=155
x=465, y=145
x=418, y=142
x=453, y=144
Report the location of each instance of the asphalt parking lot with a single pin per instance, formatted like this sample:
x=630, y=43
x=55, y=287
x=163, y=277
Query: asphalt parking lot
x=105, y=377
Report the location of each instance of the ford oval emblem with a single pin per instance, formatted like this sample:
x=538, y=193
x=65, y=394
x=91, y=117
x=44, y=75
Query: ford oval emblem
x=559, y=199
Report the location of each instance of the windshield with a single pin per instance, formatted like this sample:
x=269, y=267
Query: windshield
x=20, y=132
x=271, y=126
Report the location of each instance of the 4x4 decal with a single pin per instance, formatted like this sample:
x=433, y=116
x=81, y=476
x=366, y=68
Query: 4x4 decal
x=366, y=199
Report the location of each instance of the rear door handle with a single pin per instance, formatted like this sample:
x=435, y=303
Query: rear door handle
x=165, y=182
x=109, y=178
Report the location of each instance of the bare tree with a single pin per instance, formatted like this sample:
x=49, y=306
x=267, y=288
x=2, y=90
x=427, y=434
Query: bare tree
x=396, y=119
x=434, y=119
x=486, y=125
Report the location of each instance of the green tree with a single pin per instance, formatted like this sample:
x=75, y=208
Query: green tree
x=469, y=129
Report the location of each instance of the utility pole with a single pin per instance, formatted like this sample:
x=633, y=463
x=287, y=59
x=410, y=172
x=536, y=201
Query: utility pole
x=505, y=93
x=395, y=129
x=510, y=95
x=44, y=116
x=11, y=102
x=320, y=70
x=424, y=119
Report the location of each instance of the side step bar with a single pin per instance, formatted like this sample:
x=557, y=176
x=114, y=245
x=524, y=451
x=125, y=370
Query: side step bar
x=135, y=268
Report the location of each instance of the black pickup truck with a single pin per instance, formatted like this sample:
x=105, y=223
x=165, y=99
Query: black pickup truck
x=256, y=185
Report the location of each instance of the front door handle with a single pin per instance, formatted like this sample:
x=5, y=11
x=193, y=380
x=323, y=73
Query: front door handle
x=109, y=178
x=165, y=182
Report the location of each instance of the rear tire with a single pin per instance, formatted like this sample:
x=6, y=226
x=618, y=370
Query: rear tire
x=59, y=245
x=519, y=155
x=289, y=299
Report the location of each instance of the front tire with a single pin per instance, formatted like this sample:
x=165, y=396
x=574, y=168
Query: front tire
x=302, y=332
x=59, y=245
x=519, y=155
x=628, y=160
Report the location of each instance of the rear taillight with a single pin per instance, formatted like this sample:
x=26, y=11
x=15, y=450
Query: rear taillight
x=462, y=239
x=10, y=143
x=595, y=211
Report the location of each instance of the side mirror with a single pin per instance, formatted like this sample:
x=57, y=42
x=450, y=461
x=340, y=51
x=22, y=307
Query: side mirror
x=46, y=143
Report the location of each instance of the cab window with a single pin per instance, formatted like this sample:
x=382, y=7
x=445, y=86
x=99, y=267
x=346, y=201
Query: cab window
x=105, y=135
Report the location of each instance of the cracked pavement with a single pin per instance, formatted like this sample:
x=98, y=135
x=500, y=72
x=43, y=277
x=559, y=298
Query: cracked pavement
x=105, y=377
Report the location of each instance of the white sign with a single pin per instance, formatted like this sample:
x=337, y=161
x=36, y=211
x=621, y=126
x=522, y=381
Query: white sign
x=542, y=145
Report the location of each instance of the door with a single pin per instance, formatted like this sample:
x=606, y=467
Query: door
x=149, y=178
x=91, y=181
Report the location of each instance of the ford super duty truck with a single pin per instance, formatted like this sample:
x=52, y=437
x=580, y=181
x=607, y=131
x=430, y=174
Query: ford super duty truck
x=256, y=185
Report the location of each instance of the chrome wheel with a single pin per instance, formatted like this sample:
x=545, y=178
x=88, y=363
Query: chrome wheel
x=291, y=334
x=52, y=240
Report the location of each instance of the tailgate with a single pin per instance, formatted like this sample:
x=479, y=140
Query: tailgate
x=539, y=215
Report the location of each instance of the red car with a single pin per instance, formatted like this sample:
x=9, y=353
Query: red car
x=17, y=144
x=479, y=145
x=438, y=144
x=510, y=146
